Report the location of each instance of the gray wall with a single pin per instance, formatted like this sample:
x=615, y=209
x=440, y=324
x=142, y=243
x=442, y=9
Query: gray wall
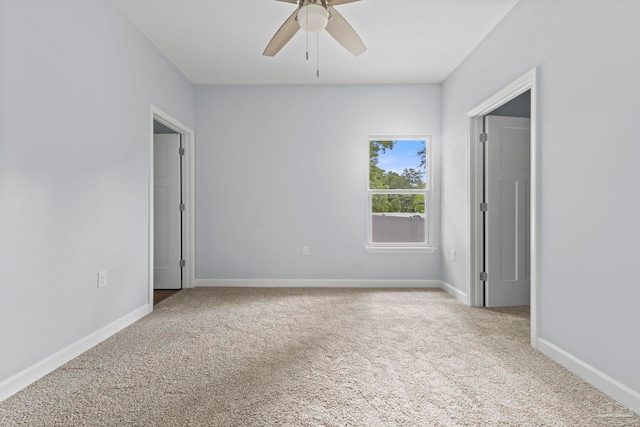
x=159, y=128
x=519, y=106
x=589, y=110
x=76, y=81
x=279, y=167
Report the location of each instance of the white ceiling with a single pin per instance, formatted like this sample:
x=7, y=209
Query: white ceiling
x=408, y=41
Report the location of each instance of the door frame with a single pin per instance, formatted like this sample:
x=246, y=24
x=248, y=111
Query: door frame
x=474, y=166
x=188, y=197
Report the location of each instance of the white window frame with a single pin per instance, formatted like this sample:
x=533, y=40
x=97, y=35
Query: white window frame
x=403, y=247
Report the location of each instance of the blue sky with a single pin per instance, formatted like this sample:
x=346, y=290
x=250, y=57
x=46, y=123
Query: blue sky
x=403, y=156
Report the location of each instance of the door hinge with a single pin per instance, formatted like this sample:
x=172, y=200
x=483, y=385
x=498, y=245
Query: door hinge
x=484, y=207
x=182, y=207
x=182, y=263
x=484, y=137
x=181, y=151
x=483, y=277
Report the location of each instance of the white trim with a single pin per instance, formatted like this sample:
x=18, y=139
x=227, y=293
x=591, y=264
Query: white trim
x=400, y=249
x=316, y=283
x=49, y=364
x=398, y=136
x=188, y=190
x=455, y=292
x=603, y=382
x=474, y=125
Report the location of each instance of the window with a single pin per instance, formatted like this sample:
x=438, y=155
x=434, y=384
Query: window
x=399, y=193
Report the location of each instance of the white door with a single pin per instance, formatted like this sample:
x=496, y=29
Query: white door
x=167, y=221
x=507, y=219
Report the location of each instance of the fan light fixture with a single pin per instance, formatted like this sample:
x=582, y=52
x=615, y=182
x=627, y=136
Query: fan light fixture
x=313, y=18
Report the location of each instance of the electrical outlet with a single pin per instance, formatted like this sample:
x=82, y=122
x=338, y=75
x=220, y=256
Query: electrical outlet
x=305, y=250
x=102, y=279
x=453, y=255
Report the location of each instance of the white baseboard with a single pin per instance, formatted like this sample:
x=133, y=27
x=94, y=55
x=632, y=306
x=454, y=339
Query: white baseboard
x=626, y=396
x=317, y=283
x=455, y=292
x=49, y=364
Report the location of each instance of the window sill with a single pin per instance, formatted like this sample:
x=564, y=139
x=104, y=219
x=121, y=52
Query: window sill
x=400, y=249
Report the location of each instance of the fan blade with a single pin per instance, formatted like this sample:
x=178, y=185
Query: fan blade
x=344, y=33
x=336, y=2
x=283, y=35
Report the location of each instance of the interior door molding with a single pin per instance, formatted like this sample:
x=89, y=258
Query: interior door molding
x=188, y=192
x=474, y=219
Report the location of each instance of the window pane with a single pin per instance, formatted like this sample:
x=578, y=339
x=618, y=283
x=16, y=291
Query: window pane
x=398, y=218
x=397, y=164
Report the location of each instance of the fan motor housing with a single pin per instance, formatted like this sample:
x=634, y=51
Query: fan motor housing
x=313, y=17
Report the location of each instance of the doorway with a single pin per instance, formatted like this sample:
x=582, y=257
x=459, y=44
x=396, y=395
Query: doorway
x=521, y=91
x=167, y=208
x=506, y=152
x=171, y=201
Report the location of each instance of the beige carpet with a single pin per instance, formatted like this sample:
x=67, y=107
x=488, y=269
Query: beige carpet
x=315, y=357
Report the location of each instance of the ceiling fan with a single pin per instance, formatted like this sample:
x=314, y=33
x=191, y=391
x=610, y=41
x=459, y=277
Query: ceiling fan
x=315, y=16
